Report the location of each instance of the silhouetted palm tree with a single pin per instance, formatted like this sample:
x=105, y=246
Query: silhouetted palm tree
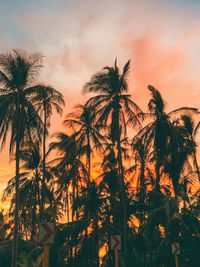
x=114, y=106
x=17, y=114
x=89, y=203
x=68, y=168
x=47, y=99
x=86, y=133
x=88, y=138
x=161, y=130
x=30, y=187
x=179, y=148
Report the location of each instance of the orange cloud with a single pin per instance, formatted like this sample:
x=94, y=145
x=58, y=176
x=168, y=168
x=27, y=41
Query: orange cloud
x=165, y=67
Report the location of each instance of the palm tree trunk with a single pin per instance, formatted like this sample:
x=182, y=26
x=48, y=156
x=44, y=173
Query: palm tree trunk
x=33, y=230
x=157, y=187
x=122, y=187
x=88, y=187
x=96, y=239
x=67, y=205
x=44, y=165
x=88, y=158
x=73, y=200
x=142, y=182
x=16, y=220
x=143, y=201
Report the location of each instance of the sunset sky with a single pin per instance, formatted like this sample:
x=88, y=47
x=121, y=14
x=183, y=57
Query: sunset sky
x=79, y=37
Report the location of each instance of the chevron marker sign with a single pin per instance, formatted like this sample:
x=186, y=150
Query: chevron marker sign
x=115, y=242
x=46, y=232
x=175, y=248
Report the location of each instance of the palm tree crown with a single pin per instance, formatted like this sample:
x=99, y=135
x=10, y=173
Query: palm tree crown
x=17, y=73
x=87, y=133
x=113, y=102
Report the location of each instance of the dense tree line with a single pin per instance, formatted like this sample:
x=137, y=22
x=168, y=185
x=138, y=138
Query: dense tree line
x=115, y=170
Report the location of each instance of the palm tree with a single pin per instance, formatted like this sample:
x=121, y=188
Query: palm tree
x=111, y=217
x=115, y=107
x=31, y=159
x=47, y=99
x=87, y=136
x=86, y=131
x=142, y=156
x=68, y=168
x=180, y=147
x=17, y=114
x=161, y=130
x=30, y=185
x=141, y=171
x=90, y=204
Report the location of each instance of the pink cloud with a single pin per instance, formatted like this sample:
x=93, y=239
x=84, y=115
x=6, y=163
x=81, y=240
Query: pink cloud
x=164, y=66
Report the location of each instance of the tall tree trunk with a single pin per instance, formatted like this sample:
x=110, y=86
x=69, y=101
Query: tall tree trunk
x=74, y=195
x=157, y=187
x=34, y=200
x=44, y=166
x=87, y=241
x=142, y=182
x=16, y=220
x=96, y=242
x=122, y=184
x=67, y=205
x=123, y=194
x=88, y=158
x=143, y=201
